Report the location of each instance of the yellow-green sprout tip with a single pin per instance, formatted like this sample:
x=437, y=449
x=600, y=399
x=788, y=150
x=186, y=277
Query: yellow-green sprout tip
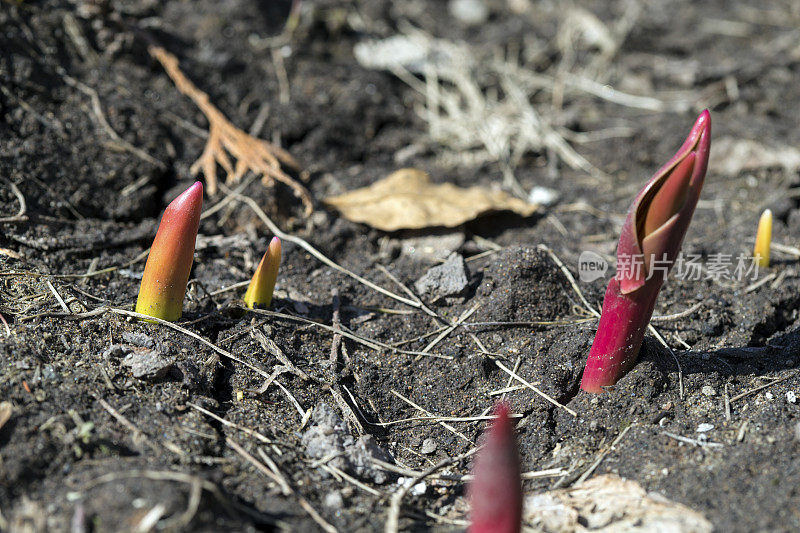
x=259, y=292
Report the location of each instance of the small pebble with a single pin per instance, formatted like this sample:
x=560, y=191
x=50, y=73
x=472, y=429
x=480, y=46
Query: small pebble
x=470, y=12
x=419, y=489
x=450, y=279
x=542, y=196
x=705, y=427
x=333, y=500
x=300, y=307
x=769, y=396
x=147, y=364
x=791, y=397
x=428, y=446
x=708, y=390
x=416, y=490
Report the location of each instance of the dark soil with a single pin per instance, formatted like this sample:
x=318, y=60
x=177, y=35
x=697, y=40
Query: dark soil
x=90, y=447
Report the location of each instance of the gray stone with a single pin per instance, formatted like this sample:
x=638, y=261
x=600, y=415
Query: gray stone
x=142, y=355
x=446, y=281
x=361, y=454
x=708, y=390
x=428, y=446
x=190, y=375
x=432, y=248
x=147, y=364
x=139, y=339
x=328, y=438
x=115, y=350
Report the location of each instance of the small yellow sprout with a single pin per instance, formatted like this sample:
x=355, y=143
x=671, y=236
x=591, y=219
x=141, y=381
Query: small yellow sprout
x=763, y=239
x=259, y=292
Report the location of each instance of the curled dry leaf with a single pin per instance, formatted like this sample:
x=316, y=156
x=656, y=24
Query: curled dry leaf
x=5, y=413
x=610, y=503
x=407, y=199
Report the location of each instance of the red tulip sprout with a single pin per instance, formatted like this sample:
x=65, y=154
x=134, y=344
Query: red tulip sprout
x=648, y=246
x=169, y=263
x=495, y=493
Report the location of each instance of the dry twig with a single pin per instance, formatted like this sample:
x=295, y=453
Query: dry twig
x=20, y=216
x=762, y=387
x=256, y=155
x=547, y=397
x=370, y=343
x=337, y=324
x=602, y=455
x=430, y=415
x=232, y=507
x=694, y=442
x=275, y=475
x=97, y=110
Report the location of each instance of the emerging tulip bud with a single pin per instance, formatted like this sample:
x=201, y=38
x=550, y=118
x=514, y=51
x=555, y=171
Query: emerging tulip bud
x=259, y=292
x=170, y=260
x=495, y=493
x=763, y=239
x=648, y=246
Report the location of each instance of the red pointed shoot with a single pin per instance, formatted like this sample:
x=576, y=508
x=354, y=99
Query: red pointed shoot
x=495, y=493
x=648, y=246
x=170, y=261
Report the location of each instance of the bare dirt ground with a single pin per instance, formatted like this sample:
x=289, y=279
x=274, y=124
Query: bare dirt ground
x=316, y=416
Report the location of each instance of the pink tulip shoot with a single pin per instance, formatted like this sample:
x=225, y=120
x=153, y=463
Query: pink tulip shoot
x=495, y=493
x=170, y=260
x=261, y=287
x=648, y=246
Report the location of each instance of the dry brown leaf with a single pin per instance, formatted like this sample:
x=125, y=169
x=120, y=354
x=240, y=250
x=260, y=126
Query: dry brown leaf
x=407, y=199
x=610, y=503
x=5, y=413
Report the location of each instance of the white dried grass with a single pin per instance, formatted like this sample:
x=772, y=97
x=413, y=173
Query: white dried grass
x=485, y=106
